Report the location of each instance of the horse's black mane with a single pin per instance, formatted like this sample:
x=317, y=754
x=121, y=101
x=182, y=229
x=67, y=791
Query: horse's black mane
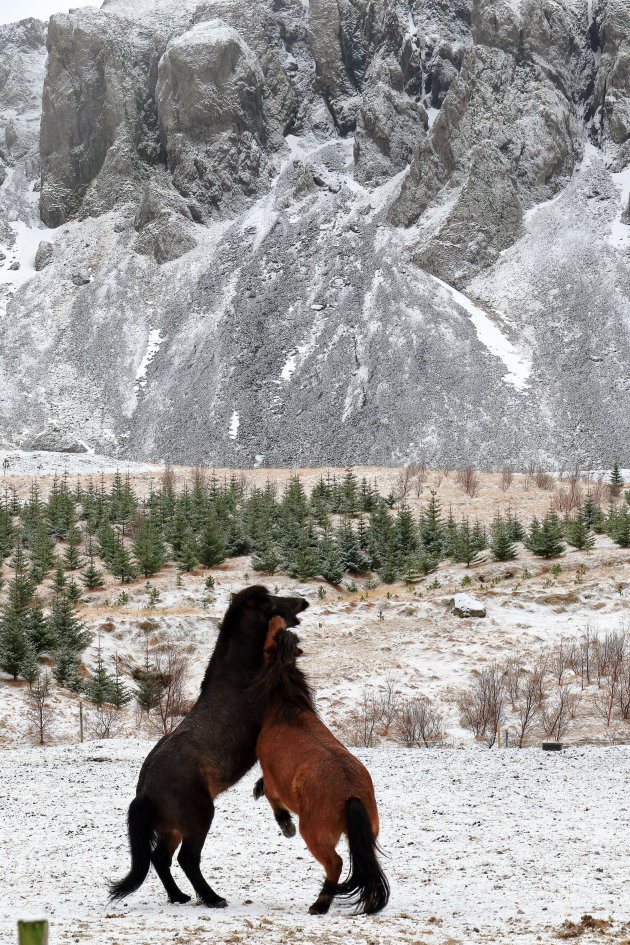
x=229, y=623
x=283, y=683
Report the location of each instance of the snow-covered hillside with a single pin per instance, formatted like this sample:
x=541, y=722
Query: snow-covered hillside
x=300, y=233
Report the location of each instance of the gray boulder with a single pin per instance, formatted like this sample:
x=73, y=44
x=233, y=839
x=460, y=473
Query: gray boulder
x=164, y=222
x=80, y=278
x=52, y=439
x=466, y=606
x=44, y=255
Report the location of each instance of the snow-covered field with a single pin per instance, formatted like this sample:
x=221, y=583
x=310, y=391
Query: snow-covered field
x=482, y=846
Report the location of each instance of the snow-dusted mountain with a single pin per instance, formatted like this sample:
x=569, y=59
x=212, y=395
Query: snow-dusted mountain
x=318, y=232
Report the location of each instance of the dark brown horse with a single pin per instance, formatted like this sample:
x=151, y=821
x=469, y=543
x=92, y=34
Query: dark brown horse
x=307, y=771
x=211, y=749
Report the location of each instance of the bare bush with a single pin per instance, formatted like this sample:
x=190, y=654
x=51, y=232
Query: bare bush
x=481, y=705
x=558, y=711
x=420, y=477
x=170, y=665
x=404, y=482
x=544, y=480
x=365, y=718
x=528, y=476
x=468, y=479
x=420, y=723
x=100, y=720
x=614, y=650
x=512, y=675
x=169, y=481
x=565, y=500
x=507, y=477
x=529, y=706
x=387, y=702
x=561, y=659
x=599, y=491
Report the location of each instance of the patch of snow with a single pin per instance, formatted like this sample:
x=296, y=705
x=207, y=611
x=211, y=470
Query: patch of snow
x=234, y=423
x=490, y=335
x=289, y=368
x=620, y=232
x=432, y=113
x=153, y=346
x=27, y=239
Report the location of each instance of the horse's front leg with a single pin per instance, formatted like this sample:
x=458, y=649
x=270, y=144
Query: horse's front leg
x=282, y=815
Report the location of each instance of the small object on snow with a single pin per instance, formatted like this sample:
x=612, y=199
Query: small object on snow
x=466, y=606
x=44, y=255
x=32, y=932
x=2, y=255
x=552, y=746
x=14, y=266
x=81, y=278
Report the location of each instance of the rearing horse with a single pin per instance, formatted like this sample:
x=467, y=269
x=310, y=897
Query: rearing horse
x=308, y=771
x=211, y=748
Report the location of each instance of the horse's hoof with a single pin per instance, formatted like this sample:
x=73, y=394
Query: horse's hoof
x=259, y=789
x=182, y=898
x=319, y=908
x=217, y=903
x=288, y=828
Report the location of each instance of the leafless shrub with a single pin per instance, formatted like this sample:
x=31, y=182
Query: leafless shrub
x=169, y=480
x=200, y=477
x=599, y=491
x=512, y=674
x=544, y=480
x=39, y=709
x=420, y=477
x=558, y=711
x=404, y=482
x=528, y=476
x=419, y=723
x=100, y=720
x=529, y=705
x=507, y=476
x=614, y=650
x=170, y=665
x=387, y=702
x=481, y=705
x=365, y=719
x=565, y=500
x=623, y=695
x=468, y=479
x=561, y=659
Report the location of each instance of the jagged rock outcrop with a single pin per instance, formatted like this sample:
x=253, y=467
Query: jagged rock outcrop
x=250, y=207
x=209, y=99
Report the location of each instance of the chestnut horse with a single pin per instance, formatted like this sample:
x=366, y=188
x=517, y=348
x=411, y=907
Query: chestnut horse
x=211, y=748
x=308, y=771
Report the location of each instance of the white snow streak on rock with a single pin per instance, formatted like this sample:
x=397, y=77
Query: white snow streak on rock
x=234, y=422
x=490, y=335
x=432, y=113
x=153, y=346
x=289, y=368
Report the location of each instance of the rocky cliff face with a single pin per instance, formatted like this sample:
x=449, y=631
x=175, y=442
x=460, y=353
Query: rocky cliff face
x=334, y=231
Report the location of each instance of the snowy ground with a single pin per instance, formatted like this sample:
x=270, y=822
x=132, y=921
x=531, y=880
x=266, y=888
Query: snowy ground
x=482, y=846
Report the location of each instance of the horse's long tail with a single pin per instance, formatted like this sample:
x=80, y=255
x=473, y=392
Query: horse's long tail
x=367, y=883
x=141, y=841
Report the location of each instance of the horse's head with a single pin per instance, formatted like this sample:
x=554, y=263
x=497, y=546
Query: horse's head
x=280, y=642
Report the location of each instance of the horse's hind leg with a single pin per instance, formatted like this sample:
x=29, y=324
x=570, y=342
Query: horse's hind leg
x=162, y=857
x=189, y=857
x=259, y=789
x=282, y=815
x=331, y=861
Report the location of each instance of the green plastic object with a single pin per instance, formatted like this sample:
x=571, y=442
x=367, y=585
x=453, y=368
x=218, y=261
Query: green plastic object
x=33, y=933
